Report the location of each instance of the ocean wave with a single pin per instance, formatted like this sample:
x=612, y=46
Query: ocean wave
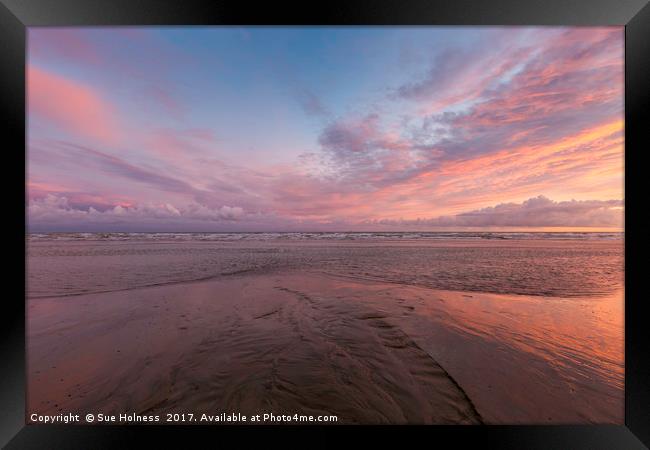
x=323, y=236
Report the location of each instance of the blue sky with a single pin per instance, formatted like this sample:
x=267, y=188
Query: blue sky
x=324, y=127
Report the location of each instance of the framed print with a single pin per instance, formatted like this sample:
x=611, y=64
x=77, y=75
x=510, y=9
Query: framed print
x=413, y=218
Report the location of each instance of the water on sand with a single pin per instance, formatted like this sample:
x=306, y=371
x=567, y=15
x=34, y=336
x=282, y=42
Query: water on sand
x=379, y=331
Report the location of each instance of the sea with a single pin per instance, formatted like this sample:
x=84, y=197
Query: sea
x=554, y=264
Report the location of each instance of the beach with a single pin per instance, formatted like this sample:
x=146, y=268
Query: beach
x=355, y=225
x=328, y=327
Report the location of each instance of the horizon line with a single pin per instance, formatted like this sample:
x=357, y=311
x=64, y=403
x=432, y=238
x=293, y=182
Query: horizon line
x=335, y=231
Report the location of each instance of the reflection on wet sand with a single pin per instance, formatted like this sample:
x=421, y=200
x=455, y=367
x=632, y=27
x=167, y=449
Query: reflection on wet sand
x=312, y=343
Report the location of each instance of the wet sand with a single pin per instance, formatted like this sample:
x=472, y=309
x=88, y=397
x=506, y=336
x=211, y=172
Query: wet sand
x=309, y=343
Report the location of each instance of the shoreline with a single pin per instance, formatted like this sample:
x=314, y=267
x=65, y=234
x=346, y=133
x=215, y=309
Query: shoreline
x=286, y=338
x=116, y=262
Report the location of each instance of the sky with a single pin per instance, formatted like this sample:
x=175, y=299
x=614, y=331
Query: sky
x=325, y=128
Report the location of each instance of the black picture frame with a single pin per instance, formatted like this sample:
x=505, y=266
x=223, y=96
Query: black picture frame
x=16, y=15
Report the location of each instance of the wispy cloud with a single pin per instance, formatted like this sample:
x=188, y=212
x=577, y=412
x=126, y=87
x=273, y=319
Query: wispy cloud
x=71, y=106
x=92, y=159
x=495, y=116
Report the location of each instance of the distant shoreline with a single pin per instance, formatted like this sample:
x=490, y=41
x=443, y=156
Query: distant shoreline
x=330, y=232
x=325, y=236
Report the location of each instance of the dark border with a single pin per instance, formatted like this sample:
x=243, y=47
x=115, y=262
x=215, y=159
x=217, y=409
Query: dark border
x=15, y=15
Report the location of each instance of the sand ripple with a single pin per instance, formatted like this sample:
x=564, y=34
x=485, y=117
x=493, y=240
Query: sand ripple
x=248, y=348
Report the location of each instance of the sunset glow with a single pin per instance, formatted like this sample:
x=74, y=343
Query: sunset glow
x=325, y=128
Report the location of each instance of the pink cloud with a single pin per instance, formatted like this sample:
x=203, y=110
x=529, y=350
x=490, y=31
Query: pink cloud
x=535, y=212
x=461, y=75
x=532, y=117
x=76, y=196
x=58, y=210
x=541, y=116
x=71, y=106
